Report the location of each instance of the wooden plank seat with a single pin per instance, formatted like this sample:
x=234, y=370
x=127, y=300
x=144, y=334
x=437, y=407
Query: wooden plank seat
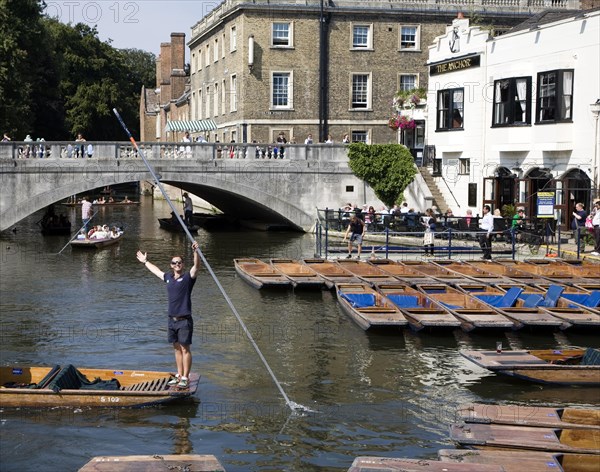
x=156, y=385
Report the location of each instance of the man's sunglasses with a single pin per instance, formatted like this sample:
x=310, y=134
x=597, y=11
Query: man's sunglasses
x=176, y=262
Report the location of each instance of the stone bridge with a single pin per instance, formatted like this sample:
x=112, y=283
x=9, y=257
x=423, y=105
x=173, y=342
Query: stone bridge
x=238, y=180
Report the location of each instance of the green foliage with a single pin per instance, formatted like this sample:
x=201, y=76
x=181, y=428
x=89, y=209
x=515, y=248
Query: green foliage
x=387, y=168
x=508, y=210
x=63, y=79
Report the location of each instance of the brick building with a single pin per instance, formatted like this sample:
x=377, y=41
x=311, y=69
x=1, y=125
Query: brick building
x=262, y=68
x=169, y=100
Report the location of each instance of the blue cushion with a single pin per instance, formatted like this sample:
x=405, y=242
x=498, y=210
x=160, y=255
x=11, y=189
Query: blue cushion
x=532, y=300
x=509, y=298
x=448, y=305
x=552, y=295
x=360, y=300
x=580, y=298
x=489, y=299
x=593, y=300
x=405, y=301
x=591, y=357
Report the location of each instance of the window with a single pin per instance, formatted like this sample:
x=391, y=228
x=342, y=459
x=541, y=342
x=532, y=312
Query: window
x=216, y=100
x=233, y=93
x=223, y=96
x=216, y=50
x=450, y=112
x=207, y=99
x=410, y=38
x=281, y=35
x=233, y=39
x=408, y=82
x=472, y=195
x=554, y=96
x=223, y=46
x=360, y=136
x=199, y=58
x=193, y=63
x=464, y=166
x=200, y=105
x=362, y=37
x=361, y=93
x=281, y=90
x=207, y=56
x=512, y=101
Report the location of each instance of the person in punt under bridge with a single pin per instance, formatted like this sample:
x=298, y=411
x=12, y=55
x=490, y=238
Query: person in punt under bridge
x=180, y=325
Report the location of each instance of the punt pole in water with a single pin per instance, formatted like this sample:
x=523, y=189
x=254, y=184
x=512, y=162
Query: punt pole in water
x=292, y=405
x=75, y=235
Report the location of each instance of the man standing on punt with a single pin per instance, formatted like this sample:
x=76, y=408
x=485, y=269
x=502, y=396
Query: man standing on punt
x=180, y=326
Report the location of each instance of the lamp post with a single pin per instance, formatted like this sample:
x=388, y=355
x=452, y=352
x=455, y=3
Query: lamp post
x=595, y=109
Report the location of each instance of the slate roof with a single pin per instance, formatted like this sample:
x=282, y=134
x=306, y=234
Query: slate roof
x=548, y=16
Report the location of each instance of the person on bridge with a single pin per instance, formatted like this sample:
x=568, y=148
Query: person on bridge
x=356, y=229
x=180, y=324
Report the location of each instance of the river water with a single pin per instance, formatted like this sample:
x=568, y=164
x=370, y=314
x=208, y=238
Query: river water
x=384, y=395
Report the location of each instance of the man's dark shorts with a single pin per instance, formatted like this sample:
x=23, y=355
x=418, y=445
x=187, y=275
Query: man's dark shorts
x=180, y=331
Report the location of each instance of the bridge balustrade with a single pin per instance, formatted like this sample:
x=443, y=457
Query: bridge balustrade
x=95, y=150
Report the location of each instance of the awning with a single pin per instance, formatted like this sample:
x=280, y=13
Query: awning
x=191, y=126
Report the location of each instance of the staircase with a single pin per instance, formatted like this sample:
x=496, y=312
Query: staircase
x=438, y=199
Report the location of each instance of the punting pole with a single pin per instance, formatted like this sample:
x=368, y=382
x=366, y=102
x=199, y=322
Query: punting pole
x=292, y=405
x=75, y=235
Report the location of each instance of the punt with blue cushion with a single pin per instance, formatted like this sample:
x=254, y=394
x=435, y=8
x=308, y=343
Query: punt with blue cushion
x=552, y=295
x=360, y=300
x=502, y=301
x=590, y=300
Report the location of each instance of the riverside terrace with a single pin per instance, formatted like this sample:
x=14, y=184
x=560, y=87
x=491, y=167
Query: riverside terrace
x=235, y=178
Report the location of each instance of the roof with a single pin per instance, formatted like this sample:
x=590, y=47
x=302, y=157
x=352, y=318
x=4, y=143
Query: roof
x=546, y=17
x=191, y=126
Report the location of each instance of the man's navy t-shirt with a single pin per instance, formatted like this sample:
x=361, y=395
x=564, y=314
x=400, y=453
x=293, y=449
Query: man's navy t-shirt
x=179, y=292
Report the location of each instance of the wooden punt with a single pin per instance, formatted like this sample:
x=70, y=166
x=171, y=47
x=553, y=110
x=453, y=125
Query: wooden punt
x=578, y=295
x=508, y=272
x=99, y=205
x=300, y=274
x=580, y=269
x=95, y=243
x=331, y=272
x=420, y=311
x=401, y=464
x=473, y=313
x=34, y=387
x=259, y=274
x=435, y=271
x=402, y=272
x=562, y=367
x=368, y=308
x=366, y=272
x=175, y=227
x=518, y=461
x=554, y=272
x=522, y=415
x=484, y=436
x=472, y=272
x=518, y=308
x=154, y=463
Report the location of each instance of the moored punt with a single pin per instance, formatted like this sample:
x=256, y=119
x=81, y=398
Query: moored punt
x=484, y=436
x=560, y=273
x=562, y=367
x=518, y=461
x=523, y=310
x=91, y=243
x=368, y=308
x=154, y=463
x=331, y=272
x=175, y=227
x=300, y=275
x=435, y=271
x=522, y=415
x=67, y=386
x=401, y=464
x=473, y=313
x=259, y=274
x=366, y=272
x=578, y=296
x=420, y=311
x=472, y=272
x=128, y=203
x=405, y=274
x=508, y=272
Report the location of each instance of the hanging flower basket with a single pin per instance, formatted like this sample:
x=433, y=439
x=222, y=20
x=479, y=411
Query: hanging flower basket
x=401, y=122
x=394, y=123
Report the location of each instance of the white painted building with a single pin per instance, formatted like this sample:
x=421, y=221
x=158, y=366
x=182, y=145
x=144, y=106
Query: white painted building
x=511, y=117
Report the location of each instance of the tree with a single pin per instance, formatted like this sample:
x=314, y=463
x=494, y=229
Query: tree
x=387, y=168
